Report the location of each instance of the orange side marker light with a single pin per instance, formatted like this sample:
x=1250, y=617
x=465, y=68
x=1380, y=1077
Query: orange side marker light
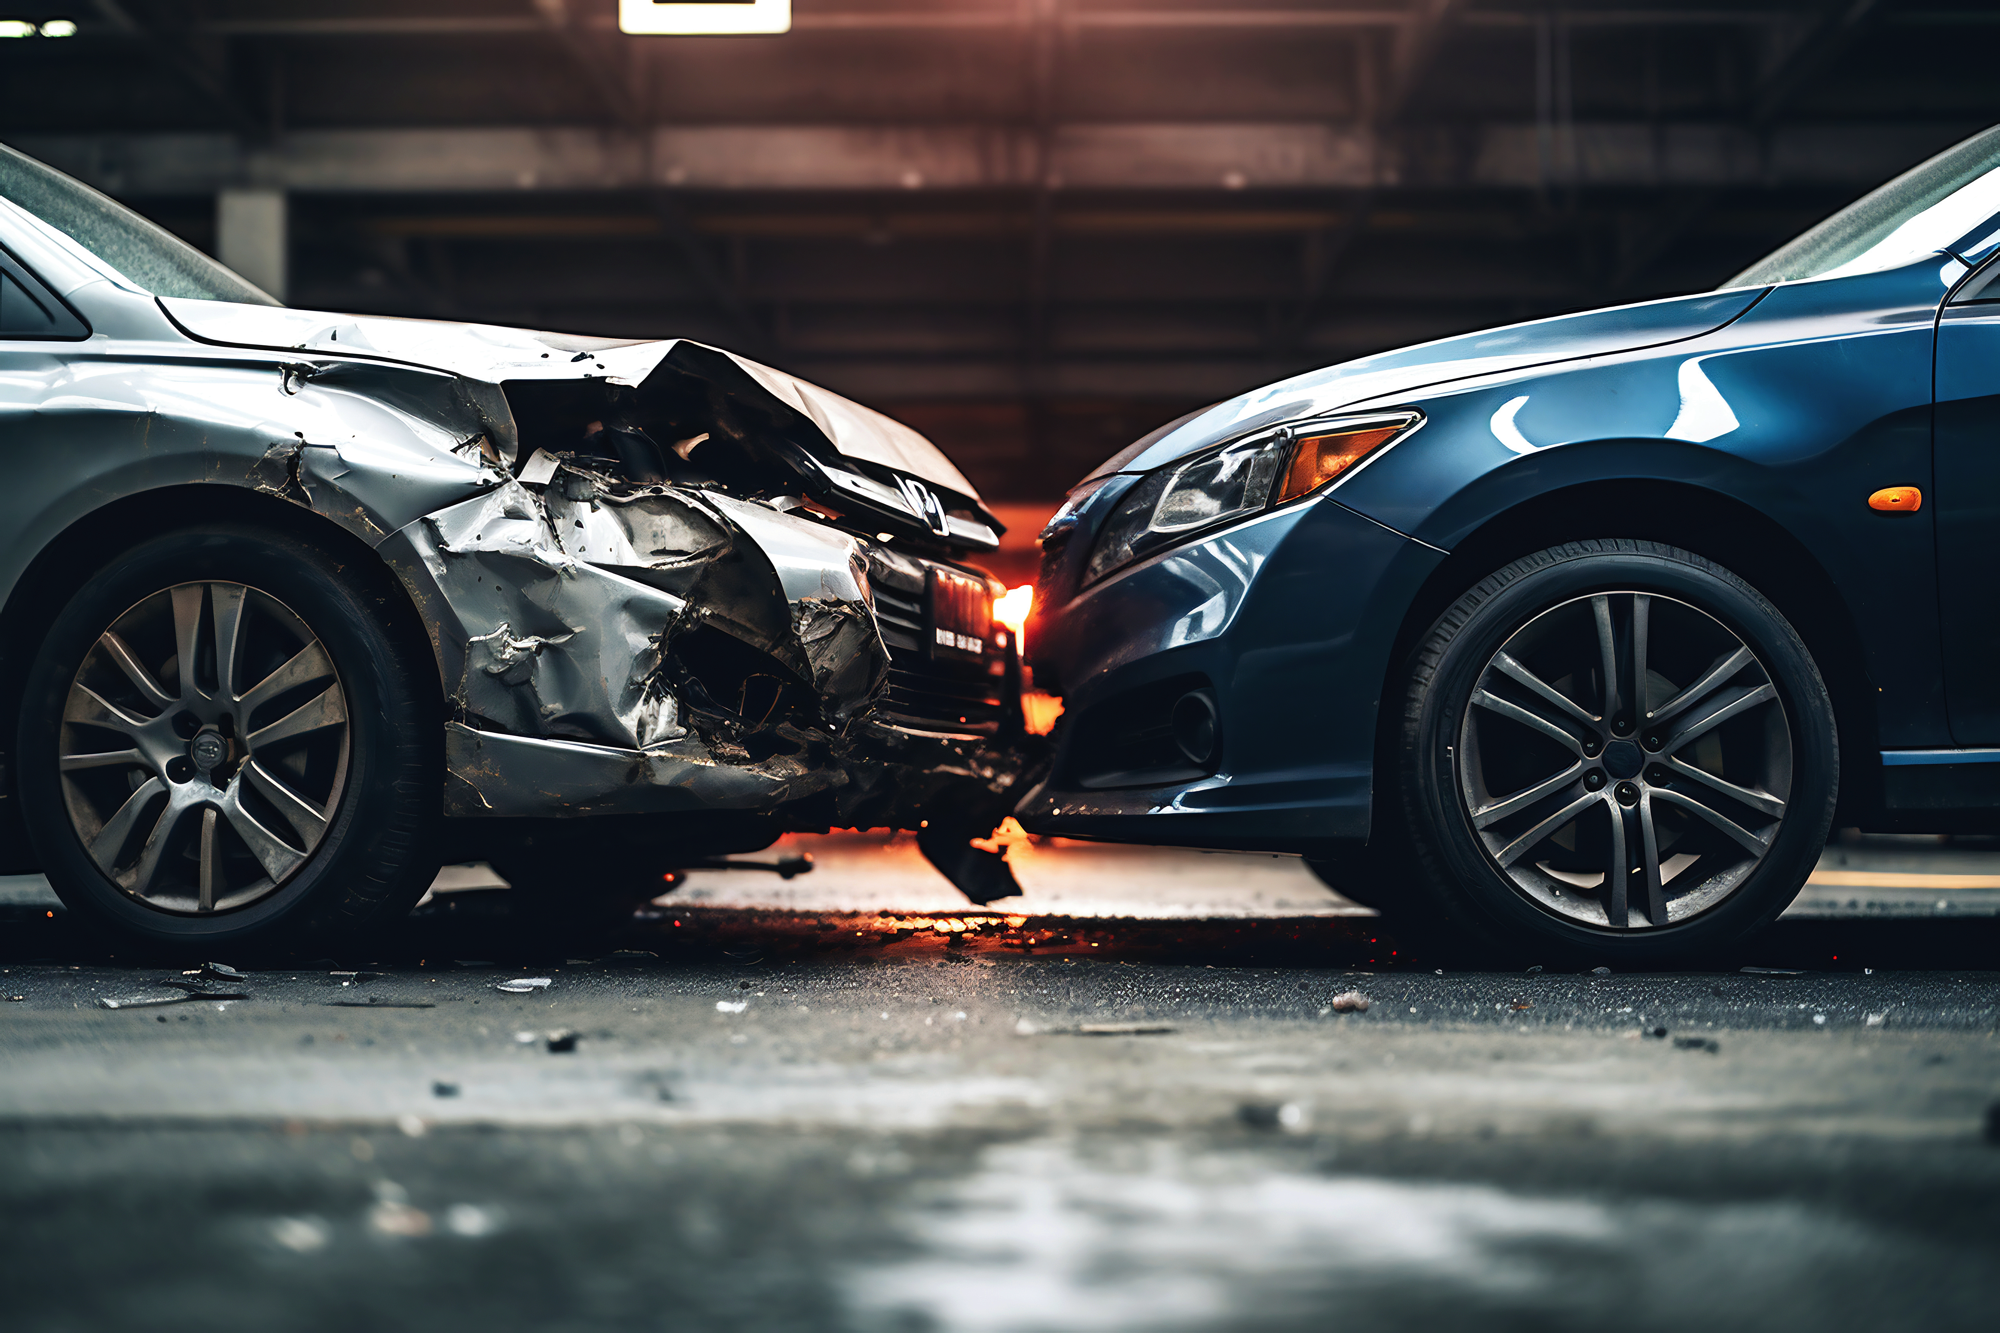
x=1897, y=500
x=1318, y=459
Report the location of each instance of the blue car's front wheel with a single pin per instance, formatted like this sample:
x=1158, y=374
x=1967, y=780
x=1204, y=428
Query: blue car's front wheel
x=1615, y=750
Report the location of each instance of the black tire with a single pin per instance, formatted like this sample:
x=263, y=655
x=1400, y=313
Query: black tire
x=374, y=854
x=1475, y=850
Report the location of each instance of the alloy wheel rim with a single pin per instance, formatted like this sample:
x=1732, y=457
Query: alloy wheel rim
x=1625, y=761
x=204, y=748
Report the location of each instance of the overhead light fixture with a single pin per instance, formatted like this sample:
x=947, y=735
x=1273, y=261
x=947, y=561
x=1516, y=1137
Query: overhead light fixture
x=16, y=28
x=696, y=18
x=59, y=28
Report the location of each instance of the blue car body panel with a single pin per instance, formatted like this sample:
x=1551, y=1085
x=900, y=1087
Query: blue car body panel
x=1795, y=402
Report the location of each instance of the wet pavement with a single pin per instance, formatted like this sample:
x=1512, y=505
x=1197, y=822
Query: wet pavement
x=1143, y=1098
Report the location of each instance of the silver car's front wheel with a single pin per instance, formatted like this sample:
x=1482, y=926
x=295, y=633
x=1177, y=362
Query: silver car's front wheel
x=231, y=737
x=204, y=747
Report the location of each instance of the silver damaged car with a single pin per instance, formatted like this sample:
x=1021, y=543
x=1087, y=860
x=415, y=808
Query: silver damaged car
x=298, y=606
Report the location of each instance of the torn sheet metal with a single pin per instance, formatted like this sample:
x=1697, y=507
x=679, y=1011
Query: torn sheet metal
x=612, y=648
x=490, y=355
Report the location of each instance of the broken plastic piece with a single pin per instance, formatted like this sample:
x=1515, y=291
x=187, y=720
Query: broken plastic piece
x=981, y=876
x=524, y=985
x=223, y=972
x=143, y=1002
x=197, y=991
x=1349, y=1002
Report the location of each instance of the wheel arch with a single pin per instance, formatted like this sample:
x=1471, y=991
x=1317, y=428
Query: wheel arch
x=1740, y=538
x=68, y=561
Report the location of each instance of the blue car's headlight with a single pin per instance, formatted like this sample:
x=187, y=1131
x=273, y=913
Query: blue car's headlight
x=1191, y=496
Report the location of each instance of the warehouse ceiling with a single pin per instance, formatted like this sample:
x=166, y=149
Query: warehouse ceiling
x=1034, y=228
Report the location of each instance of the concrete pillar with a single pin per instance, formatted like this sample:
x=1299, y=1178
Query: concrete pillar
x=250, y=236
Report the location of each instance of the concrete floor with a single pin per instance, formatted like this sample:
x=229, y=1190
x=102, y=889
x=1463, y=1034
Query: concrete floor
x=1126, y=1100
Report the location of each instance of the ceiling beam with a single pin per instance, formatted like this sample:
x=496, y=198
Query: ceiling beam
x=945, y=20
x=1226, y=159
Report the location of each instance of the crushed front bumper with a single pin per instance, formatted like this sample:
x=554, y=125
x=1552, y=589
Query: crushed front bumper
x=618, y=649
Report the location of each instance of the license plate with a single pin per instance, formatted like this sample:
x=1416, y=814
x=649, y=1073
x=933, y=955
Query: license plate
x=961, y=615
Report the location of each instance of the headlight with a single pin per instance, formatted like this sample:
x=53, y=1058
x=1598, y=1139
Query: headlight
x=1245, y=477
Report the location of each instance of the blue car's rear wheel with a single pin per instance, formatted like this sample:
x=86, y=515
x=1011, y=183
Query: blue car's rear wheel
x=1615, y=750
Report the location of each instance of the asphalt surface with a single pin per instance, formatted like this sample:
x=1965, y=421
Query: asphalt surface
x=1141, y=1099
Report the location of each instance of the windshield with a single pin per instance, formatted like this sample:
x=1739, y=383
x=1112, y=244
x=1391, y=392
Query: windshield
x=1922, y=211
x=150, y=257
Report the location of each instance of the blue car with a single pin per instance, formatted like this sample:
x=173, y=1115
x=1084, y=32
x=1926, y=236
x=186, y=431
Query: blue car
x=1577, y=636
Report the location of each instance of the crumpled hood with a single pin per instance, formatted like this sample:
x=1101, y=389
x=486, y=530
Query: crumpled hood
x=494, y=354
x=1407, y=369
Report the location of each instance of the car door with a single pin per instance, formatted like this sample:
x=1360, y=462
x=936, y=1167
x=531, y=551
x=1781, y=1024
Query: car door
x=1966, y=428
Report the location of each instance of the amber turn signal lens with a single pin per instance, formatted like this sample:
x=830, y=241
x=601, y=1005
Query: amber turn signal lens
x=1897, y=500
x=1318, y=459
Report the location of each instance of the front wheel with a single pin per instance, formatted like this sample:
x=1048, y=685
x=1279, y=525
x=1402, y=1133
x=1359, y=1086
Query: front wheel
x=223, y=742
x=1615, y=751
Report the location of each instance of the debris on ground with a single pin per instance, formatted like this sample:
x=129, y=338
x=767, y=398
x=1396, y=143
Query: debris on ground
x=1774, y=971
x=469, y=1219
x=1349, y=1002
x=1657, y=1033
x=184, y=992
x=1600, y=971
x=300, y=1235
x=731, y=1006
x=439, y=1088
x=353, y=978
x=1708, y=1044
x=524, y=985
x=1291, y=1116
x=219, y=972
x=1876, y=1020
x=198, y=991
x=392, y=1215
x=562, y=1043
x=16, y=999
x=1025, y=1028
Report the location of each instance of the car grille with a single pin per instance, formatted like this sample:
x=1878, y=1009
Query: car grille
x=932, y=689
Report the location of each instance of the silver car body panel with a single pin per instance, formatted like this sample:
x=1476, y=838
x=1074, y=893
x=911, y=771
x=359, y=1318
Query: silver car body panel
x=563, y=603
x=491, y=354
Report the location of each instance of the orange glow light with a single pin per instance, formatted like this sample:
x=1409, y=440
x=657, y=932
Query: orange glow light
x=1011, y=609
x=1041, y=711
x=1318, y=459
